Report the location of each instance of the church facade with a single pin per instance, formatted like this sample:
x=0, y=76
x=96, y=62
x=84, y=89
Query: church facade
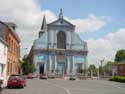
x=59, y=48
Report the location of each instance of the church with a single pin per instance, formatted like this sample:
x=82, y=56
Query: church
x=59, y=49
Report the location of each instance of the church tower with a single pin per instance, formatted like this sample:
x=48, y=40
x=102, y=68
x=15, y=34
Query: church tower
x=43, y=27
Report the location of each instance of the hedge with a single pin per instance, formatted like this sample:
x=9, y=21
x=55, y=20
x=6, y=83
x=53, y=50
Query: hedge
x=118, y=78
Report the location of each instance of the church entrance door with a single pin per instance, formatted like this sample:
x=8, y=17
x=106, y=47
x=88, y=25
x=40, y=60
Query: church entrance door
x=41, y=68
x=61, y=69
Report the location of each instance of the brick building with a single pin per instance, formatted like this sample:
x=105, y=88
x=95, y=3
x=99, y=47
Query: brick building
x=8, y=33
x=121, y=68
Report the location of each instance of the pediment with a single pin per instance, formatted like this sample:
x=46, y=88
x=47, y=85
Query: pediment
x=62, y=22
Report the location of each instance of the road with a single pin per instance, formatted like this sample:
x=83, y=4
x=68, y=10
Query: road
x=60, y=86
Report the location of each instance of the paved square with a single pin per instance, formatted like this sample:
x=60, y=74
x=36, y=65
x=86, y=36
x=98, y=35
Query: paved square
x=60, y=86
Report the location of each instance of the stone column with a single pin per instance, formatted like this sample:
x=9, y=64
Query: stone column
x=68, y=65
x=73, y=65
x=44, y=67
x=85, y=65
x=55, y=63
x=85, y=62
x=50, y=64
x=49, y=39
x=67, y=41
x=55, y=41
x=73, y=40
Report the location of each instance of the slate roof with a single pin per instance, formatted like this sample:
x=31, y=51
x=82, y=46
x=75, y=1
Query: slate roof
x=10, y=26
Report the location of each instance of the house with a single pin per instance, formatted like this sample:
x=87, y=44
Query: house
x=3, y=61
x=9, y=35
x=121, y=68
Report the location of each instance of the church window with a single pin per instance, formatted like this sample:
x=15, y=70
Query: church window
x=61, y=40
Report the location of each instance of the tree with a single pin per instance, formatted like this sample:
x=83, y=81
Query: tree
x=92, y=68
x=120, y=55
x=108, y=67
x=80, y=70
x=27, y=67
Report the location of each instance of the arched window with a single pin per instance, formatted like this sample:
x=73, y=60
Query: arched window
x=61, y=40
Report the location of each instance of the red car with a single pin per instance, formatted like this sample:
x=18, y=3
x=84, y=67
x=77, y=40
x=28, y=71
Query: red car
x=30, y=76
x=43, y=76
x=1, y=82
x=16, y=81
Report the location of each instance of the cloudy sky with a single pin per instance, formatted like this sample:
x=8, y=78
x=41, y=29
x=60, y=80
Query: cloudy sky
x=99, y=22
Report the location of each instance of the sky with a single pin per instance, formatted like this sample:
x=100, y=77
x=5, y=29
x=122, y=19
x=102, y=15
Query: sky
x=99, y=22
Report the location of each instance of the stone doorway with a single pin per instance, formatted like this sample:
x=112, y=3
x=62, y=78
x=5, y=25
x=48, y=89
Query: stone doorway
x=41, y=68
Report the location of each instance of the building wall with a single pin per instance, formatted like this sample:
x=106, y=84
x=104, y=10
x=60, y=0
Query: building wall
x=51, y=62
x=45, y=49
x=13, y=54
x=8, y=34
x=49, y=41
x=121, y=69
x=3, y=62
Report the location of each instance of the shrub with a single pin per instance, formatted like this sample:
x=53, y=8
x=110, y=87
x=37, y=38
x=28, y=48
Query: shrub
x=118, y=78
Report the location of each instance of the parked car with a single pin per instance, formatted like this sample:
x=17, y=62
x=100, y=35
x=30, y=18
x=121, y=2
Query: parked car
x=43, y=76
x=1, y=82
x=72, y=77
x=30, y=76
x=16, y=81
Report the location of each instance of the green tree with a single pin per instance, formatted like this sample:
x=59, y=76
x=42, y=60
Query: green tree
x=120, y=55
x=27, y=67
x=108, y=67
x=92, y=68
x=80, y=70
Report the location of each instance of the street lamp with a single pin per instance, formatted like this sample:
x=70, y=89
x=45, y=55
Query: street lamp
x=102, y=61
x=98, y=72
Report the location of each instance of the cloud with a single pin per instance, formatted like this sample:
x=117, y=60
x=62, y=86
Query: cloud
x=90, y=24
x=106, y=47
x=28, y=17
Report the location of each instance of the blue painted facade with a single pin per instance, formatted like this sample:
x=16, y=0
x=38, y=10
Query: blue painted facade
x=65, y=60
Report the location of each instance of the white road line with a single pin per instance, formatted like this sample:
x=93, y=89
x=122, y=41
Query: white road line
x=117, y=87
x=80, y=89
x=67, y=90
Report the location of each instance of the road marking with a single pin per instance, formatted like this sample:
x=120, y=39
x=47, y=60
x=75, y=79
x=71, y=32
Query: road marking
x=67, y=90
x=80, y=89
x=117, y=87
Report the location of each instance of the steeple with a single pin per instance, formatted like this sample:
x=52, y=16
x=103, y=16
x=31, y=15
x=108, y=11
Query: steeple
x=43, y=27
x=61, y=13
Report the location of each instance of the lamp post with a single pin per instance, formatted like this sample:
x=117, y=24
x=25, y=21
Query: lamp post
x=98, y=74
x=102, y=61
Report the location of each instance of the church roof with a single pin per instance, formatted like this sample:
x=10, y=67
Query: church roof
x=44, y=25
x=61, y=21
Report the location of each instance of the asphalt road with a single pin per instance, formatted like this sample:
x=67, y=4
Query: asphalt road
x=60, y=86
